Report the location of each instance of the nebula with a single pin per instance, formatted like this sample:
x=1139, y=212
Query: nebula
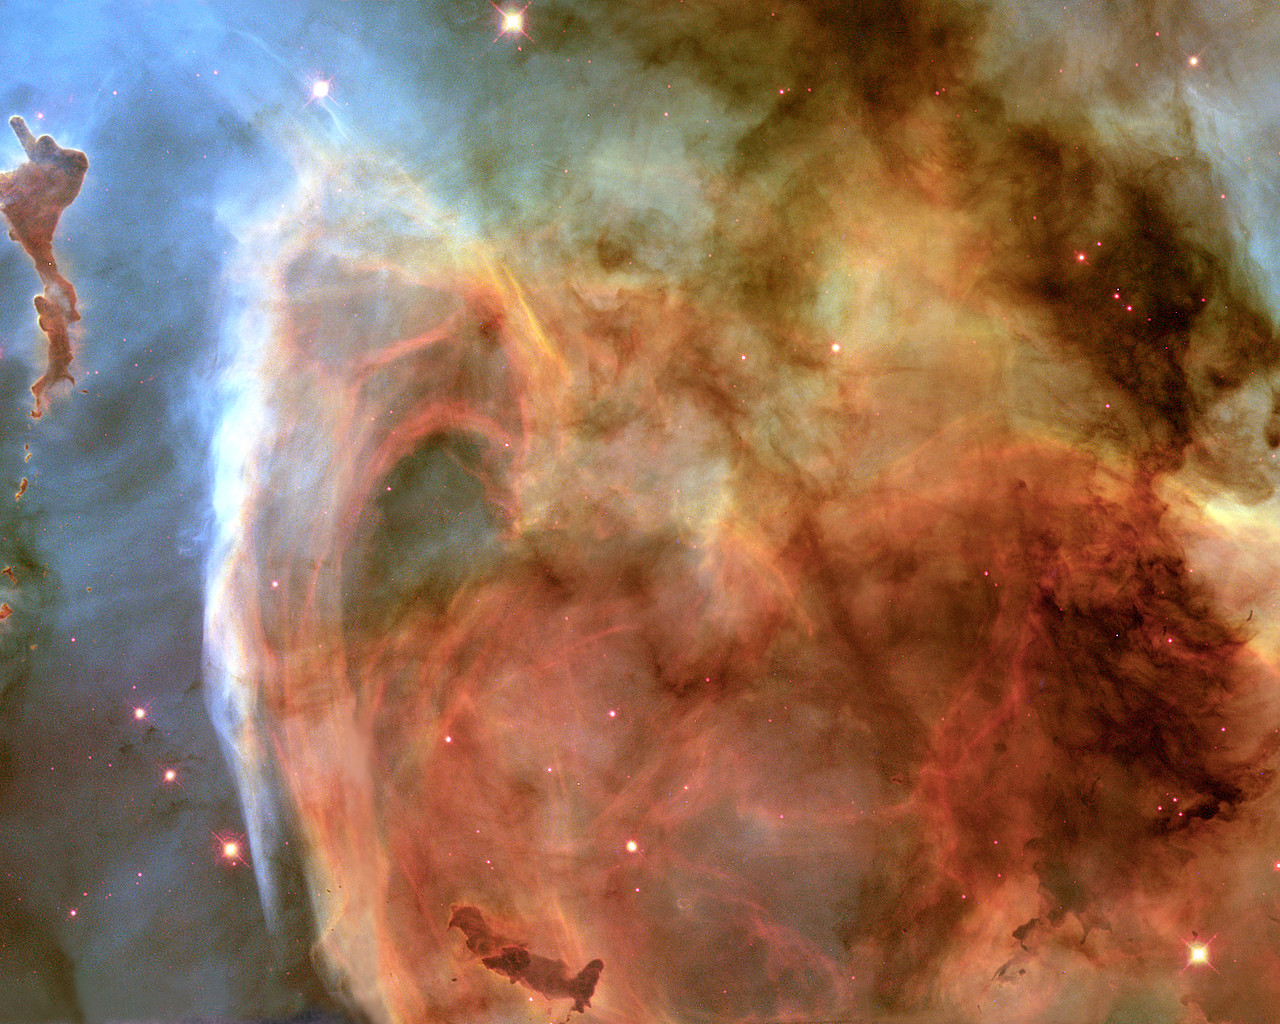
x=32, y=198
x=782, y=513
x=513, y=960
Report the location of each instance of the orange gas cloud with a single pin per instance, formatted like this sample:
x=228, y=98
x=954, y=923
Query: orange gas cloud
x=33, y=197
x=824, y=601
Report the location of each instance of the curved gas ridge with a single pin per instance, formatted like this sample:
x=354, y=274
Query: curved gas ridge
x=818, y=587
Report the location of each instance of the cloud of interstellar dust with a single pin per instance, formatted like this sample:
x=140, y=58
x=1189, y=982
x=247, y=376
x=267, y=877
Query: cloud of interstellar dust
x=785, y=510
x=33, y=197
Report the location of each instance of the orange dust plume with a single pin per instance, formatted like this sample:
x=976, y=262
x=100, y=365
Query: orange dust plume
x=816, y=553
x=33, y=197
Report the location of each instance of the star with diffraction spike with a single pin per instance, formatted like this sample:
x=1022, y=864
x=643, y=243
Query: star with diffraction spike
x=511, y=21
x=1198, y=952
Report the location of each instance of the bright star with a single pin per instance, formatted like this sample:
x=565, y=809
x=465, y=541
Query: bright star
x=1198, y=952
x=511, y=21
x=320, y=90
x=230, y=848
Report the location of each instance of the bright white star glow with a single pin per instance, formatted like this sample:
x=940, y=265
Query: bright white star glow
x=1198, y=952
x=230, y=848
x=511, y=20
x=320, y=90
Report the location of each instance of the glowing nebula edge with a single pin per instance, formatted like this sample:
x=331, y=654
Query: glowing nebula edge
x=736, y=512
